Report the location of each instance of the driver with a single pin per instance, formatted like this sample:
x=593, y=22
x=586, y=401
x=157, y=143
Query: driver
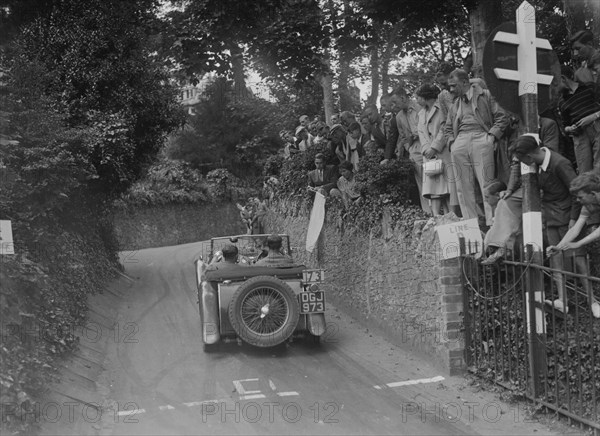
x=274, y=255
x=227, y=260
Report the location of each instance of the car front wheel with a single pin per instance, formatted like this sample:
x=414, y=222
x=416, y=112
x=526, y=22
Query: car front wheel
x=264, y=311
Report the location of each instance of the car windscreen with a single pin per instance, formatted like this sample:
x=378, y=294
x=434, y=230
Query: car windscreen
x=247, y=245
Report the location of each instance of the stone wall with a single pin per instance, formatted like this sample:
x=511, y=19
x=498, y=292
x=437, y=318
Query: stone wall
x=159, y=226
x=391, y=280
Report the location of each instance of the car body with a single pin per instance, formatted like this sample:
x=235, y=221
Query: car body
x=260, y=305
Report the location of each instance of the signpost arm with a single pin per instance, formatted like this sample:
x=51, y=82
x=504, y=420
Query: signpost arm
x=532, y=215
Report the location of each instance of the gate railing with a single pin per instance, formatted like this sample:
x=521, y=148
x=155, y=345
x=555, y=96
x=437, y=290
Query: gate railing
x=566, y=373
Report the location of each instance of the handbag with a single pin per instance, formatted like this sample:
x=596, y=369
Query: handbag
x=433, y=167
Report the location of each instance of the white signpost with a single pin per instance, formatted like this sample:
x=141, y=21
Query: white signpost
x=527, y=75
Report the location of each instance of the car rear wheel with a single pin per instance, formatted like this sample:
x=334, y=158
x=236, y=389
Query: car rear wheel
x=264, y=311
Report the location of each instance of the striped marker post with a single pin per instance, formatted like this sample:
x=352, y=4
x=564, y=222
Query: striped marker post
x=528, y=78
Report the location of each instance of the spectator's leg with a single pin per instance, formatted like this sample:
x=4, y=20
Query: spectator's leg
x=555, y=235
x=450, y=176
x=581, y=267
x=594, y=131
x=417, y=159
x=445, y=205
x=464, y=175
x=436, y=204
x=484, y=167
x=582, y=146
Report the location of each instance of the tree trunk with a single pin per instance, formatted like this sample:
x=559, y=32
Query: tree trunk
x=385, y=70
x=575, y=11
x=386, y=57
x=345, y=57
x=374, y=75
x=326, y=82
x=595, y=22
x=237, y=67
x=484, y=18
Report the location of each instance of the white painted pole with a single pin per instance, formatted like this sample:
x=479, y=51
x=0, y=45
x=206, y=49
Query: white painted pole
x=532, y=215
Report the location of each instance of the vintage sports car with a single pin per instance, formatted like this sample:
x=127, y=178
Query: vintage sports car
x=260, y=305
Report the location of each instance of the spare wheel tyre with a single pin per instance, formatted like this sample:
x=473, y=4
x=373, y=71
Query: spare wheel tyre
x=264, y=311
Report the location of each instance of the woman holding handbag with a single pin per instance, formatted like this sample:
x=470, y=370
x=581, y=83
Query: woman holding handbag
x=436, y=156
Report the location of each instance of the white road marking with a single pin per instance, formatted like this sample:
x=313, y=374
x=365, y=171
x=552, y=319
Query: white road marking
x=130, y=412
x=243, y=393
x=252, y=397
x=411, y=382
x=240, y=389
x=201, y=403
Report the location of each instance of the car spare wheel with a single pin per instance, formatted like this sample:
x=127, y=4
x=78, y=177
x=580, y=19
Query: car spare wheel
x=264, y=311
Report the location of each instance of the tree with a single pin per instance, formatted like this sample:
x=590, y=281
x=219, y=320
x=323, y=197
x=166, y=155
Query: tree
x=99, y=74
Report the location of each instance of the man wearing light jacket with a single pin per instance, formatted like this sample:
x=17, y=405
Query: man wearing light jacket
x=475, y=123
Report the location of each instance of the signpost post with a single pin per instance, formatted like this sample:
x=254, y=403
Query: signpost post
x=528, y=78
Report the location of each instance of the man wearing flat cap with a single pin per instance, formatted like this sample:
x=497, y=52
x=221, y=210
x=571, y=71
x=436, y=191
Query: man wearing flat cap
x=274, y=256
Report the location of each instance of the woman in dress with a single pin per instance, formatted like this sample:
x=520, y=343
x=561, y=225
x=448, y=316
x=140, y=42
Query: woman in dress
x=433, y=145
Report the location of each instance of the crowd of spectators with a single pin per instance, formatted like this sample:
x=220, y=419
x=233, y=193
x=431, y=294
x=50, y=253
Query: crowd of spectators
x=466, y=152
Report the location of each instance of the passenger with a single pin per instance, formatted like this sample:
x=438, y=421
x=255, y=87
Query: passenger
x=274, y=256
x=225, y=259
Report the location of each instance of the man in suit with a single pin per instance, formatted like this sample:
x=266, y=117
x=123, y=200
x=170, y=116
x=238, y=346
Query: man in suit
x=324, y=176
x=555, y=174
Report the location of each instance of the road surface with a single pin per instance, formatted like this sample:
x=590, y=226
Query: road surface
x=354, y=382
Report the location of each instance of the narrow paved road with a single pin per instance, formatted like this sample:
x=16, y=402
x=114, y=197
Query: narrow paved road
x=163, y=383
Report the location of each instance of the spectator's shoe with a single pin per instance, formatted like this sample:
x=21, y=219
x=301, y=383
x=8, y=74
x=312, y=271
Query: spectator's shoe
x=558, y=305
x=596, y=309
x=498, y=254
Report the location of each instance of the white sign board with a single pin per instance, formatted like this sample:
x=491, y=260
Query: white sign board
x=449, y=235
x=6, y=238
x=317, y=217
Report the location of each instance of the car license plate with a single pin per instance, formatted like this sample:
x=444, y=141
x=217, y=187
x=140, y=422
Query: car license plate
x=313, y=275
x=312, y=302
